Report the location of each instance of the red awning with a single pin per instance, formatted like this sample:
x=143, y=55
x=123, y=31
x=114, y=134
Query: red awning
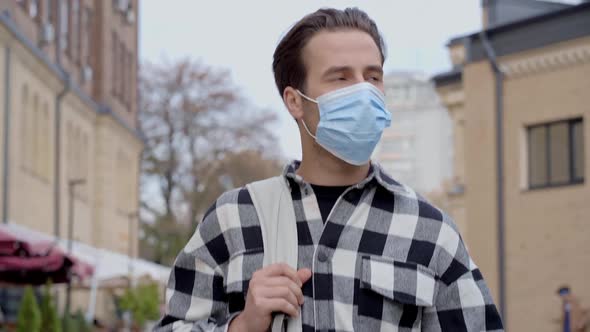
x=28, y=257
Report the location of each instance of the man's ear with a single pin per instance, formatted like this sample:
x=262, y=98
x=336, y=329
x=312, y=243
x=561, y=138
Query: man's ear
x=294, y=102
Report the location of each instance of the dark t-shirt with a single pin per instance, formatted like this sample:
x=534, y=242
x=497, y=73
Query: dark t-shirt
x=327, y=197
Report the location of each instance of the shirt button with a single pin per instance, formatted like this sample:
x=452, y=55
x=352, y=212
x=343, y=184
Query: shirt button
x=322, y=256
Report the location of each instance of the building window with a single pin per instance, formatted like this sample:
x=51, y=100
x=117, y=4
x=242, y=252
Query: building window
x=44, y=8
x=578, y=150
x=556, y=153
x=88, y=35
x=50, y=12
x=115, y=66
x=122, y=71
x=34, y=9
x=64, y=24
x=74, y=31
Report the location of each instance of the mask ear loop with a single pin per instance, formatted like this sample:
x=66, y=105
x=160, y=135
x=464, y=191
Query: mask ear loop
x=303, y=122
x=306, y=97
x=306, y=129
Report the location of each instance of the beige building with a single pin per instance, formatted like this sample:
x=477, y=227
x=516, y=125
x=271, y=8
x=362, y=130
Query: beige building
x=68, y=95
x=524, y=216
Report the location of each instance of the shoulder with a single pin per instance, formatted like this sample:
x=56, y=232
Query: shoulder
x=451, y=258
x=227, y=211
x=428, y=210
x=411, y=202
x=434, y=232
x=234, y=220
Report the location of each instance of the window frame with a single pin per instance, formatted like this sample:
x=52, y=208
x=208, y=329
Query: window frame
x=572, y=180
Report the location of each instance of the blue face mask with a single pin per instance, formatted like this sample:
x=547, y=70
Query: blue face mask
x=352, y=120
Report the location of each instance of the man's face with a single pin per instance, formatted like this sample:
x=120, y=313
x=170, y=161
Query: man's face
x=337, y=59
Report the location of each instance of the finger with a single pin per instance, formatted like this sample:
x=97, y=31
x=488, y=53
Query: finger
x=282, y=269
x=304, y=275
x=285, y=282
x=281, y=292
x=282, y=305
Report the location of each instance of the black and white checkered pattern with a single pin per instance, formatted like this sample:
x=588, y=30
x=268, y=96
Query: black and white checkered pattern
x=385, y=260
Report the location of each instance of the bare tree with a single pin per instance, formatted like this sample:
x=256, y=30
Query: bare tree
x=197, y=126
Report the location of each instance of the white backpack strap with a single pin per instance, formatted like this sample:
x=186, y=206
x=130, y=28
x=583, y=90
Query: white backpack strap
x=274, y=206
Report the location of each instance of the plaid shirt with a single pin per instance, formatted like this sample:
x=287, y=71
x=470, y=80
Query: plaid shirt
x=385, y=260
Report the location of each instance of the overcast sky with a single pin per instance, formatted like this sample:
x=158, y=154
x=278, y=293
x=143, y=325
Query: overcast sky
x=241, y=36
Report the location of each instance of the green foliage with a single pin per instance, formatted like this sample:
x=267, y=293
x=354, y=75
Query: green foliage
x=76, y=323
x=163, y=239
x=143, y=302
x=49, y=317
x=210, y=135
x=68, y=323
x=29, y=316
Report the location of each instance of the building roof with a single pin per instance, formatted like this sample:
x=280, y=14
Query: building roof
x=551, y=15
x=529, y=33
x=449, y=77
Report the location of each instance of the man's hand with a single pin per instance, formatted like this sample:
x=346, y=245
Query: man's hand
x=276, y=287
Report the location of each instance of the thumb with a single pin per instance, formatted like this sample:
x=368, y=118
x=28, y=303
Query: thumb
x=304, y=275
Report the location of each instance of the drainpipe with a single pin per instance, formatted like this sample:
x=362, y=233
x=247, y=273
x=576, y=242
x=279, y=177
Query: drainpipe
x=57, y=163
x=499, y=80
x=6, y=156
x=57, y=128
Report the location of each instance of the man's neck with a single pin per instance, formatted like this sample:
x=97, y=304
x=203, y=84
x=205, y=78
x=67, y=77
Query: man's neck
x=331, y=172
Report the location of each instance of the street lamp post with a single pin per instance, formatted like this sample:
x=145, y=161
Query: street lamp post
x=71, y=190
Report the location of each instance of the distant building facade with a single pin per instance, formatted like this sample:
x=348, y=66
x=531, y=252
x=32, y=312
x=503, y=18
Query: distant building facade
x=68, y=95
x=417, y=149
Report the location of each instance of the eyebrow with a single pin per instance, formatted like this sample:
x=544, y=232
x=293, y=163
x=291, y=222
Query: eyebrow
x=337, y=69
x=376, y=68
x=340, y=69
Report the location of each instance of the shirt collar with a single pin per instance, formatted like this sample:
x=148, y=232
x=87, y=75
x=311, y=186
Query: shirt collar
x=376, y=175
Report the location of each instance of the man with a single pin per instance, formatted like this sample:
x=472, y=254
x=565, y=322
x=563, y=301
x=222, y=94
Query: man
x=372, y=254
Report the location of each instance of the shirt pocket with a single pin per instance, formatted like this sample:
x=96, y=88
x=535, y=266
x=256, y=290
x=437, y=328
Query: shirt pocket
x=394, y=291
x=240, y=268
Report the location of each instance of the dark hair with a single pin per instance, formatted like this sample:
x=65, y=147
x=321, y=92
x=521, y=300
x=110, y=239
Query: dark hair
x=288, y=66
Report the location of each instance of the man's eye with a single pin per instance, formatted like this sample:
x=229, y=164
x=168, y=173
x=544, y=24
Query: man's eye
x=375, y=78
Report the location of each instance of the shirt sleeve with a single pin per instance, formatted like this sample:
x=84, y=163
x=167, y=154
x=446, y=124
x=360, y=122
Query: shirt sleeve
x=195, y=296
